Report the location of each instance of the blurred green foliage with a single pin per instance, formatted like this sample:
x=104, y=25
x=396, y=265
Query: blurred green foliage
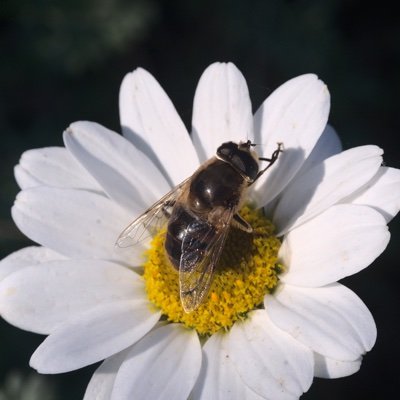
x=64, y=60
x=29, y=387
x=66, y=37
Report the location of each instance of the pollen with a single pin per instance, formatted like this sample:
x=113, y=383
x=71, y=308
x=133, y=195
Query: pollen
x=247, y=270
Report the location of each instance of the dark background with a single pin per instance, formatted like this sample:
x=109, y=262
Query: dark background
x=63, y=61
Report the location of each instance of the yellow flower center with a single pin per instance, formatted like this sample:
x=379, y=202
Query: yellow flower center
x=246, y=272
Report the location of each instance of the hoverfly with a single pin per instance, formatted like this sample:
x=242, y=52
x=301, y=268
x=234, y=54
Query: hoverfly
x=199, y=213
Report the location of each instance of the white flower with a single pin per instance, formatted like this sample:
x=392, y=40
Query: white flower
x=330, y=207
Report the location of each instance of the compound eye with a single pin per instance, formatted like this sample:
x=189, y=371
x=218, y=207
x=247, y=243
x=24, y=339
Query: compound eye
x=246, y=164
x=226, y=150
x=238, y=161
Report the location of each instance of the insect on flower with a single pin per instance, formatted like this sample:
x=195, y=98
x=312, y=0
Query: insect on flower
x=200, y=212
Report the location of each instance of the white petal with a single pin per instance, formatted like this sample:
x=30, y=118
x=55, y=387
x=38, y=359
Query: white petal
x=295, y=114
x=94, y=336
x=337, y=243
x=150, y=121
x=124, y=172
x=325, y=367
x=331, y=320
x=328, y=145
x=101, y=385
x=75, y=223
x=40, y=298
x=326, y=184
x=52, y=166
x=382, y=192
x=163, y=365
x=221, y=110
x=218, y=379
x=26, y=257
x=268, y=360
x=24, y=179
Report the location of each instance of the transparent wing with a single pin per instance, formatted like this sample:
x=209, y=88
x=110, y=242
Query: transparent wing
x=201, y=249
x=151, y=221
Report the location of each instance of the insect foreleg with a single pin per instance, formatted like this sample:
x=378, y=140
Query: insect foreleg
x=271, y=160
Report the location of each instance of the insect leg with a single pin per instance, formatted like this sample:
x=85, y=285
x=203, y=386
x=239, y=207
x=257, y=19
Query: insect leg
x=239, y=223
x=271, y=160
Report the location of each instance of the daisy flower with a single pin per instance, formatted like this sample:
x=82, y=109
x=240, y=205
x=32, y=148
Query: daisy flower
x=275, y=315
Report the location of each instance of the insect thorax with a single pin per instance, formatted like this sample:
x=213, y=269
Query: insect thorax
x=217, y=185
